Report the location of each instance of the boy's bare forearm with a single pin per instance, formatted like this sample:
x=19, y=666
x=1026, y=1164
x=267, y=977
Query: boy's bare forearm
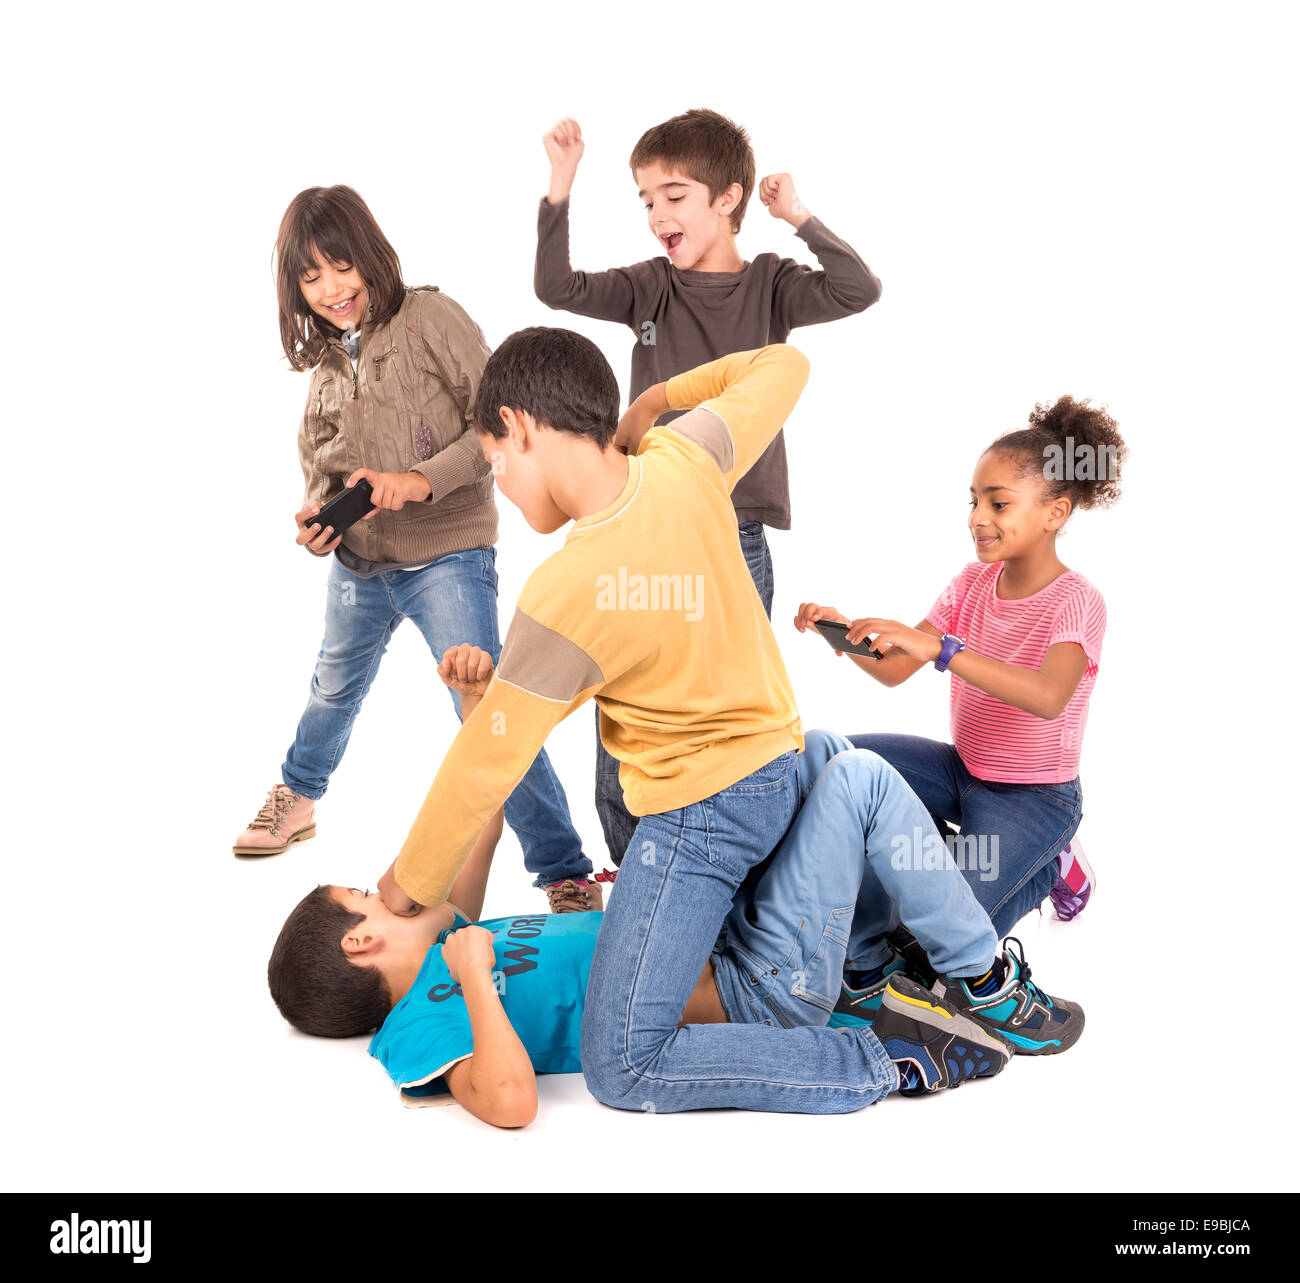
x=500, y=1069
x=640, y=417
x=470, y=887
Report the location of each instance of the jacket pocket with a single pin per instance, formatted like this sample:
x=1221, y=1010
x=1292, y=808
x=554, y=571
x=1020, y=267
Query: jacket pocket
x=381, y=364
x=422, y=441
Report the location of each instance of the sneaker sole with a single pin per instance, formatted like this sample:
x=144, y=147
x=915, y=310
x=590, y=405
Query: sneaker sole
x=253, y=851
x=932, y=1013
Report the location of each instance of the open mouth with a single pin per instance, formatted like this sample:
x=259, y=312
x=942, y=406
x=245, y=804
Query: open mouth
x=342, y=309
x=672, y=242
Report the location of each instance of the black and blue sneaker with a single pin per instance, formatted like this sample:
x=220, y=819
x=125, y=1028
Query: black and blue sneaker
x=1032, y=1022
x=860, y=994
x=933, y=1045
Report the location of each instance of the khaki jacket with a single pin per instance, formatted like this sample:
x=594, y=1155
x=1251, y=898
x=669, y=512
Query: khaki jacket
x=405, y=408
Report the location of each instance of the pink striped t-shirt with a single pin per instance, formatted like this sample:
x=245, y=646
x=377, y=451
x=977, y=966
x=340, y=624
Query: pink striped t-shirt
x=995, y=740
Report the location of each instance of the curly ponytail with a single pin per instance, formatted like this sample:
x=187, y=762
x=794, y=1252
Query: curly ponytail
x=1075, y=448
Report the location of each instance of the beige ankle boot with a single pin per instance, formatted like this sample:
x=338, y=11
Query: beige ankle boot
x=573, y=896
x=287, y=817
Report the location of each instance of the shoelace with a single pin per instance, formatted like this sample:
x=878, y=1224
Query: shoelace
x=273, y=810
x=1066, y=903
x=567, y=893
x=1032, y=989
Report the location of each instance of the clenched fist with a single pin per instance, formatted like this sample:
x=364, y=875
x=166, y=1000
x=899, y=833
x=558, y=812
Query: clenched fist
x=564, y=148
x=777, y=192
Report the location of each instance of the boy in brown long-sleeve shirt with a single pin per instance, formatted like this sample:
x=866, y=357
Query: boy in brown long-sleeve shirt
x=695, y=174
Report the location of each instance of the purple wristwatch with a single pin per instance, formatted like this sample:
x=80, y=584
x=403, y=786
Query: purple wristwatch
x=951, y=645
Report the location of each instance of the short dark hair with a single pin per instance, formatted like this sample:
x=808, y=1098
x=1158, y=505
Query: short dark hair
x=336, y=222
x=1062, y=427
x=316, y=988
x=703, y=145
x=560, y=378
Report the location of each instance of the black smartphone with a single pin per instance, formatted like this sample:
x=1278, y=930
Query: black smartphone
x=346, y=508
x=835, y=634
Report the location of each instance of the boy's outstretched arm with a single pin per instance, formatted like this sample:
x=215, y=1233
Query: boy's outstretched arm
x=607, y=296
x=803, y=295
x=497, y=1083
x=470, y=887
x=541, y=678
x=468, y=669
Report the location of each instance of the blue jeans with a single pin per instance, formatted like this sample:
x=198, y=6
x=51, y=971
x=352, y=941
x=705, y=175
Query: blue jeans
x=1021, y=827
x=842, y=878
x=451, y=601
x=674, y=892
x=616, y=821
x=758, y=557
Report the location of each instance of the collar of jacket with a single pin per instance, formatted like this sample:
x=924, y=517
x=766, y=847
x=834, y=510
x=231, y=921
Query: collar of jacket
x=362, y=330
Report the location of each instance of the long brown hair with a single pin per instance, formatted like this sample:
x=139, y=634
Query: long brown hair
x=335, y=222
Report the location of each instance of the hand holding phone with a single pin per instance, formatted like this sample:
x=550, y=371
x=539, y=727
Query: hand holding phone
x=319, y=540
x=836, y=633
x=345, y=509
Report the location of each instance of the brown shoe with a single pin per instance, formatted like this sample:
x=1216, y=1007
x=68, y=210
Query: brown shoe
x=286, y=818
x=574, y=895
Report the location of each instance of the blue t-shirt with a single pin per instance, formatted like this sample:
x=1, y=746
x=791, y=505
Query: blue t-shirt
x=541, y=970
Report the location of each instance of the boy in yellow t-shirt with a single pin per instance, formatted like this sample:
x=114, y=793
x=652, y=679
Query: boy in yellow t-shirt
x=649, y=609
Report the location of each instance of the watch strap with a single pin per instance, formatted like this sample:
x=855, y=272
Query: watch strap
x=951, y=645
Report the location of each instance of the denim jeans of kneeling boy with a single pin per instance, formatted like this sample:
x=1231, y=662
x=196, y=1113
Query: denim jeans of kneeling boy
x=819, y=902
x=842, y=878
x=1014, y=830
x=616, y=821
x=452, y=600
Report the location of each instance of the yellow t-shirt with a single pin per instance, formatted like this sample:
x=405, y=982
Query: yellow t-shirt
x=649, y=609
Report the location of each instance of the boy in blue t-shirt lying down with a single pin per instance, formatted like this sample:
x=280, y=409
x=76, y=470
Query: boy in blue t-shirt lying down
x=478, y=1009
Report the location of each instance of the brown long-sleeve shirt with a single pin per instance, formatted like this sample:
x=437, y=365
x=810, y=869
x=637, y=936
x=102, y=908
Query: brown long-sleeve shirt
x=684, y=319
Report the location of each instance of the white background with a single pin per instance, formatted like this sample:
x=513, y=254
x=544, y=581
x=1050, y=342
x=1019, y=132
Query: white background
x=1087, y=198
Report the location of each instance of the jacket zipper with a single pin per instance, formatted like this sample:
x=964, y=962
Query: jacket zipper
x=380, y=532
x=361, y=437
x=361, y=440
x=379, y=366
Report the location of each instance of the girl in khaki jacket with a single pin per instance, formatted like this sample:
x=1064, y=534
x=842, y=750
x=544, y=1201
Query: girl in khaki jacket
x=394, y=374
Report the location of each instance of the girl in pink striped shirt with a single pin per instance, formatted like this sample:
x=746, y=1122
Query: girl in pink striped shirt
x=1021, y=633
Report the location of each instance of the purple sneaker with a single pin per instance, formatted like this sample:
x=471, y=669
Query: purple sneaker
x=1072, y=892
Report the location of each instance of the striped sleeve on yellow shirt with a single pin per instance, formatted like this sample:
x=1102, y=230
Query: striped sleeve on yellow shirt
x=738, y=404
